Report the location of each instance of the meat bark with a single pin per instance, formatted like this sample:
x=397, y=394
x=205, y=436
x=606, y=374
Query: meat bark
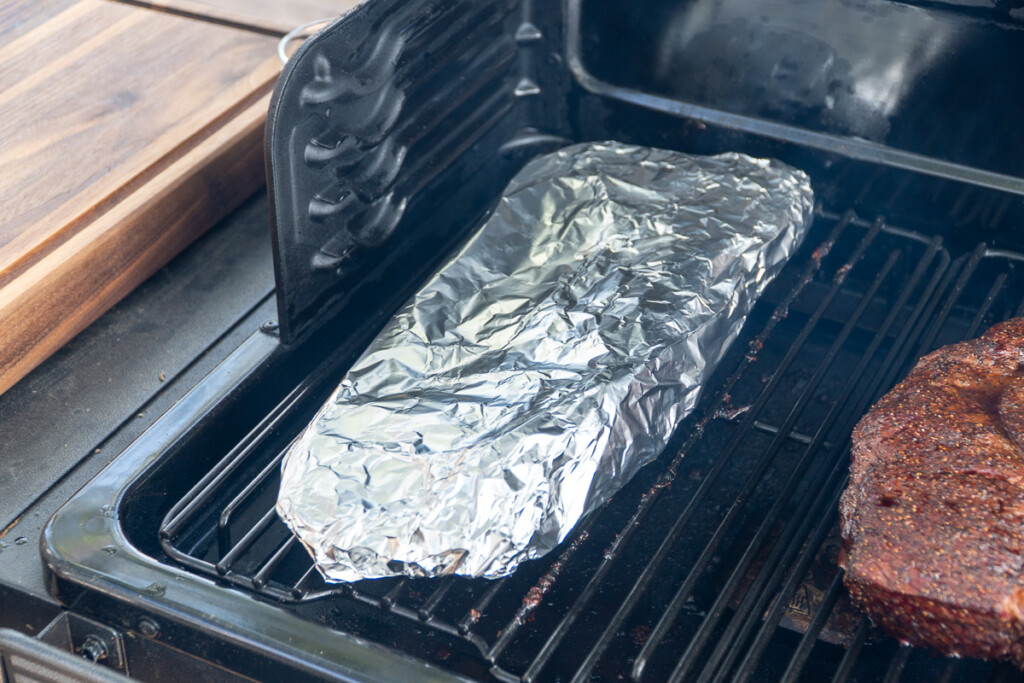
x=933, y=517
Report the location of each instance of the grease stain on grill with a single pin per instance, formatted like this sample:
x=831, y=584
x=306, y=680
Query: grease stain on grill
x=535, y=595
x=755, y=348
x=640, y=634
x=732, y=413
x=156, y=590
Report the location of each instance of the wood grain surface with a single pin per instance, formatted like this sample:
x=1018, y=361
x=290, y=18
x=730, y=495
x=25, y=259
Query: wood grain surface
x=271, y=16
x=124, y=134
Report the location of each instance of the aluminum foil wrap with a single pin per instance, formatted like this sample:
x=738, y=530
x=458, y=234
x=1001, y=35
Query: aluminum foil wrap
x=543, y=365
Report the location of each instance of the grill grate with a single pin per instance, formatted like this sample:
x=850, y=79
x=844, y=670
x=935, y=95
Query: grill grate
x=698, y=569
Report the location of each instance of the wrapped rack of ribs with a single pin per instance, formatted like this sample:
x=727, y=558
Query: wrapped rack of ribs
x=546, y=363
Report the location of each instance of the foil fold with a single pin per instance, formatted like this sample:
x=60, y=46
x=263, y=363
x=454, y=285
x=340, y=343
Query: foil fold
x=543, y=365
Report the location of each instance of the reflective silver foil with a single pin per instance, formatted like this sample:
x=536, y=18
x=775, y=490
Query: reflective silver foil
x=543, y=365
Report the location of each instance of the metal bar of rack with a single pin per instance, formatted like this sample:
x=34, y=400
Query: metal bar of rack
x=868, y=300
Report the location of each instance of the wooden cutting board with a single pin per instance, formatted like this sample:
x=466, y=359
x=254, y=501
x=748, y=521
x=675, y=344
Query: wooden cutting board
x=272, y=16
x=124, y=134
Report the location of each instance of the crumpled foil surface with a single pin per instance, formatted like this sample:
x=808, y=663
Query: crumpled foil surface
x=543, y=365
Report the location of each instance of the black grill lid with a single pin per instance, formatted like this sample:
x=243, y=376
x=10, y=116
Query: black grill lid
x=372, y=116
x=385, y=112
x=332, y=156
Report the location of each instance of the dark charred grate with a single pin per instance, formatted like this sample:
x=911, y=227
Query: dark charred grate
x=715, y=563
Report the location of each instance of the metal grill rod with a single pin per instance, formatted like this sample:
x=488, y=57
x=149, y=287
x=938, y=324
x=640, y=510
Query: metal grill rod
x=470, y=619
x=228, y=559
x=746, y=614
x=898, y=662
x=199, y=494
x=228, y=512
x=263, y=583
x=612, y=553
x=662, y=552
x=817, y=444
x=983, y=310
x=263, y=575
x=852, y=652
x=754, y=479
x=940, y=321
x=751, y=609
x=958, y=287
x=948, y=669
x=755, y=650
x=530, y=604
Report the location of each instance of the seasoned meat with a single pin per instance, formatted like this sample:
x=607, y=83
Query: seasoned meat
x=933, y=517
